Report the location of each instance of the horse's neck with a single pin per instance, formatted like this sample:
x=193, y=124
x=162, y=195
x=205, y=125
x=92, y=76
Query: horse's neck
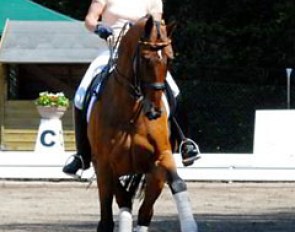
x=123, y=97
x=125, y=64
x=119, y=98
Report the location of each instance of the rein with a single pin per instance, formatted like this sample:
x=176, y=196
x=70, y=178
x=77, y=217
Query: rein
x=133, y=89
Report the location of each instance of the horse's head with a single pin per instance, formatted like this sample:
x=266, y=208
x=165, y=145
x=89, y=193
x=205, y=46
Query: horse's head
x=152, y=60
x=148, y=42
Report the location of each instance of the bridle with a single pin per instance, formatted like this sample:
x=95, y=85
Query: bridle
x=141, y=90
x=153, y=46
x=137, y=84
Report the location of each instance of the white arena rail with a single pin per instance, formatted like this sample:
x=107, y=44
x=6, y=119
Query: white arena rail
x=273, y=158
x=211, y=167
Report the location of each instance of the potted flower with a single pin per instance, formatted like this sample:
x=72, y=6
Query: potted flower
x=52, y=105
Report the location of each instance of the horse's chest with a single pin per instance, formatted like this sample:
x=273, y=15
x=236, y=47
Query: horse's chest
x=131, y=142
x=132, y=153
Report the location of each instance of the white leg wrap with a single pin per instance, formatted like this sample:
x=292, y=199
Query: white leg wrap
x=141, y=229
x=185, y=215
x=125, y=220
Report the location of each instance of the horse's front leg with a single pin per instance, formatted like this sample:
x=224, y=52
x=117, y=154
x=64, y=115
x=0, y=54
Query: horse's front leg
x=105, y=187
x=181, y=197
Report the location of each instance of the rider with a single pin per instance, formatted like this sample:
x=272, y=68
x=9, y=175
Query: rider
x=114, y=14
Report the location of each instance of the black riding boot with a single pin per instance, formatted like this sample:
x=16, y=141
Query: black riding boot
x=83, y=157
x=188, y=149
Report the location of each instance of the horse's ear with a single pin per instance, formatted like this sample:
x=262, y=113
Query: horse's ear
x=170, y=29
x=148, y=27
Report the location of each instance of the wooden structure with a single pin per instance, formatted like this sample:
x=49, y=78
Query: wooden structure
x=39, y=56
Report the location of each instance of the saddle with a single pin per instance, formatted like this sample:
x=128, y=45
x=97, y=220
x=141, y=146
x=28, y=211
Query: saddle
x=95, y=90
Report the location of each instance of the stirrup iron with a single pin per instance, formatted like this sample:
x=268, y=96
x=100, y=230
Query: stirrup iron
x=189, y=160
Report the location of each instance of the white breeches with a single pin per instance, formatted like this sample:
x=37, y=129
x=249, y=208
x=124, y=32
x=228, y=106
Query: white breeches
x=96, y=67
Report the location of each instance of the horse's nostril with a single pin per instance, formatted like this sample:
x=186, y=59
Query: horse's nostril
x=152, y=115
x=150, y=110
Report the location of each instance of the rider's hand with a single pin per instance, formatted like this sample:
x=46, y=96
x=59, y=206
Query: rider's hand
x=103, y=31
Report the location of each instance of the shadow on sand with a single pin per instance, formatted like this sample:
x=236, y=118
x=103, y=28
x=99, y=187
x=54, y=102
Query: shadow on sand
x=268, y=222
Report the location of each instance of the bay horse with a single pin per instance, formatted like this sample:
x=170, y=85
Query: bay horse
x=128, y=131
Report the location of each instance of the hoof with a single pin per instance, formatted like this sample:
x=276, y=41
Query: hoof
x=105, y=227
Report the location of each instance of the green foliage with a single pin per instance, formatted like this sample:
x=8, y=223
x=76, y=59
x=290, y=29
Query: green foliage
x=73, y=8
x=52, y=100
x=232, y=34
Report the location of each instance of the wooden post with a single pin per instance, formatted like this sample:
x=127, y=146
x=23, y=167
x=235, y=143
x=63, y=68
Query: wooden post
x=2, y=101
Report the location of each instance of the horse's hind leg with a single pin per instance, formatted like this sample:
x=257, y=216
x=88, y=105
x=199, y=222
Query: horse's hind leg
x=180, y=195
x=124, y=201
x=154, y=185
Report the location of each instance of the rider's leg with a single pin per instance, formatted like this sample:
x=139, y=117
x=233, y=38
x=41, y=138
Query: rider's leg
x=172, y=84
x=82, y=158
x=187, y=147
